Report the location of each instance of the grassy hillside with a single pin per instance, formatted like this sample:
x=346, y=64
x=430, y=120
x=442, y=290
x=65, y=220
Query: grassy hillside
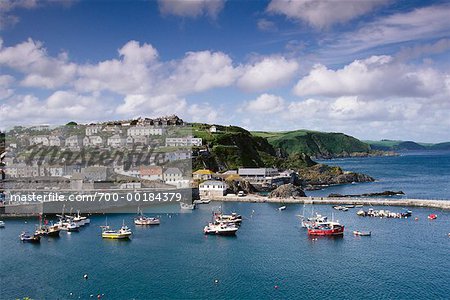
x=389, y=145
x=233, y=147
x=314, y=143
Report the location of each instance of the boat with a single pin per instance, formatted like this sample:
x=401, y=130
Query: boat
x=81, y=220
x=2, y=224
x=187, y=206
x=220, y=229
x=241, y=194
x=339, y=207
x=326, y=228
x=123, y=233
x=384, y=214
x=46, y=229
x=282, y=208
x=234, y=218
x=306, y=222
x=141, y=219
x=362, y=233
x=432, y=217
x=202, y=201
x=26, y=237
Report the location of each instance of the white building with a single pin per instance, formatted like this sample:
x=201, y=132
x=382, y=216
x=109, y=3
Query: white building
x=145, y=131
x=172, y=176
x=177, y=155
x=39, y=140
x=213, y=129
x=116, y=141
x=183, y=141
x=211, y=188
x=57, y=141
x=258, y=172
x=56, y=171
x=93, y=129
x=74, y=141
x=93, y=140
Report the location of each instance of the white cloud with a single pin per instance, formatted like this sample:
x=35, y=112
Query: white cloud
x=266, y=25
x=136, y=105
x=424, y=23
x=204, y=113
x=323, y=13
x=420, y=50
x=377, y=76
x=265, y=104
x=41, y=70
x=5, y=86
x=191, y=8
x=267, y=73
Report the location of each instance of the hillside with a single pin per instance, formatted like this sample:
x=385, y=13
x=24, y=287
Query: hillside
x=314, y=143
x=395, y=145
x=232, y=147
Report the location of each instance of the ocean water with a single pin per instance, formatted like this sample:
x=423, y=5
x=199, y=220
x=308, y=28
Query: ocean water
x=270, y=258
x=420, y=175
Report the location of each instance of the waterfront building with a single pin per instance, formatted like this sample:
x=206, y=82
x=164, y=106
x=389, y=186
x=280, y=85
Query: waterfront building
x=211, y=188
x=95, y=173
x=203, y=174
x=151, y=172
x=183, y=141
x=172, y=175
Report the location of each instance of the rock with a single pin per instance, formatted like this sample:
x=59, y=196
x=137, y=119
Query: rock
x=287, y=191
x=234, y=186
x=322, y=175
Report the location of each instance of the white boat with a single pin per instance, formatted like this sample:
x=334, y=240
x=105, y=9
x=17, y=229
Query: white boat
x=202, y=201
x=220, y=229
x=2, y=224
x=282, y=208
x=144, y=220
x=362, y=233
x=187, y=206
x=81, y=220
x=234, y=218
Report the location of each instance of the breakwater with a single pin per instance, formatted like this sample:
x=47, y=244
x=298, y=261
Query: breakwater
x=438, y=204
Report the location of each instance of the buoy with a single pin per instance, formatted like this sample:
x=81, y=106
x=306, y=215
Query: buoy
x=416, y=219
x=276, y=286
x=99, y=296
x=85, y=276
x=70, y=293
x=216, y=281
x=92, y=295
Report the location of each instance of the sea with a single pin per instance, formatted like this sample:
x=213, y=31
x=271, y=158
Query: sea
x=271, y=256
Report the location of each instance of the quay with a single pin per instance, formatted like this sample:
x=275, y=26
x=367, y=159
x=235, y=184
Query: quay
x=438, y=204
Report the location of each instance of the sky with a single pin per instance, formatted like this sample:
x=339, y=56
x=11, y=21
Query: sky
x=374, y=69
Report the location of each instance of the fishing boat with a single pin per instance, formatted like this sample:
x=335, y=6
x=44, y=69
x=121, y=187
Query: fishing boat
x=362, y=233
x=220, y=229
x=141, y=219
x=123, y=233
x=46, y=229
x=187, y=206
x=81, y=220
x=2, y=224
x=339, y=207
x=26, y=237
x=432, y=217
x=326, y=228
x=317, y=218
x=281, y=208
x=234, y=218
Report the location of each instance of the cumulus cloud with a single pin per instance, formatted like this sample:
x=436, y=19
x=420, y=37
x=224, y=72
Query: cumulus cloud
x=140, y=104
x=31, y=58
x=323, y=13
x=267, y=73
x=265, y=104
x=376, y=76
x=5, y=86
x=266, y=25
x=191, y=8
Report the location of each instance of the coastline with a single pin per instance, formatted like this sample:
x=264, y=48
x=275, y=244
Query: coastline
x=438, y=204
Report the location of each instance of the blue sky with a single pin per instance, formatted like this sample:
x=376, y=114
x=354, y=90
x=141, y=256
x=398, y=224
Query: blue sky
x=373, y=69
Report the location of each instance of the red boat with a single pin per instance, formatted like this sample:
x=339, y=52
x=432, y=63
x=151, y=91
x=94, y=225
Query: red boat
x=432, y=217
x=326, y=228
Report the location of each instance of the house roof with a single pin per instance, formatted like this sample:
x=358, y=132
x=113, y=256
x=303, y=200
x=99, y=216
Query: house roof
x=203, y=172
x=212, y=182
x=173, y=171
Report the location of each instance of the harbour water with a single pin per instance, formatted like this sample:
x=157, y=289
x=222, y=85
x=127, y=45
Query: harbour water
x=271, y=257
x=419, y=174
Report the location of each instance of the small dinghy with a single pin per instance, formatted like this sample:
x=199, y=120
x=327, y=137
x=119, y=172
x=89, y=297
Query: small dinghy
x=26, y=237
x=362, y=233
x=281, y=208
x=432, y=217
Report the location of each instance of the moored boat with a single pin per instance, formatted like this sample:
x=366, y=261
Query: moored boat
x=220, y=229
x=326, y=228
x=141, y=219
x=30, y=238
x=123, y=233
x=202, y=201
x=362, y=233
x=432, y=217
x=187, y=206
x=282, y=208
x=234, y=218
x=2, y=224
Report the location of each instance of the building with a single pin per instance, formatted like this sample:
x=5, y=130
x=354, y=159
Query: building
x=172, y=176
x=177, y=155
x=145, y=131
x=151, y=172
x=39, y=140
x=74, y=142
x=116, y=141
x=93, y=129
x=202, y=174
x=213, y=129
x=93, y=141
x=183, y=141
x=257, y=172
x=56, y=171
x=95, y=173
x=212, y=188
x=130, y=185
x=57, y=141
x=76, y=181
